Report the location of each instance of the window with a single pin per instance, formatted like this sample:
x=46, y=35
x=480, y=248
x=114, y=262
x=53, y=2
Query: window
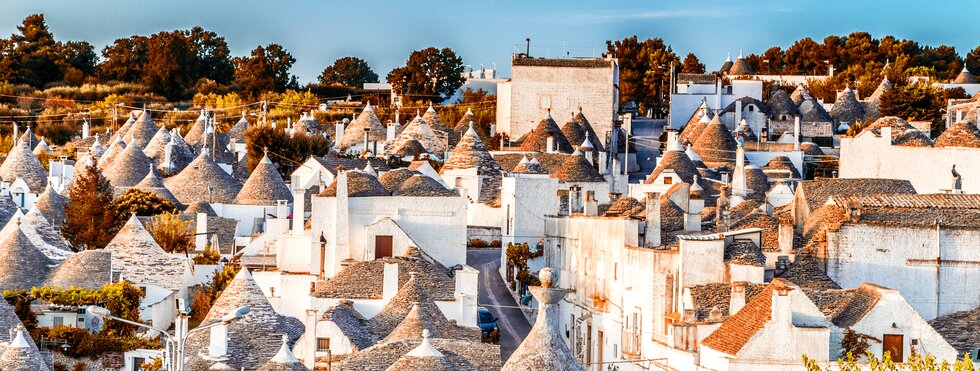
x=322, y=344
x=138, y=363
x=668, y=180
x=751, y=108
x=58, y=321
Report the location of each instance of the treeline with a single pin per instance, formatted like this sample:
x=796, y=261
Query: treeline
x=858, y=60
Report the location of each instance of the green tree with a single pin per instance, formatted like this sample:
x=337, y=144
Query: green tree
x=265, y=69
x=124, y=59
x=429, y=74
x=90, y=221
x=348, y=71
x=79, y=61
x=644, y=69
x=972, y=61
x=915, y=102
x=691, y=64
x=142, y=203
x=35, y=56
x=212, y=57
x=287, y=151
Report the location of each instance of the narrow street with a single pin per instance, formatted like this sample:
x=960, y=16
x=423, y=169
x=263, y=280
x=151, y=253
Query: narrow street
x=495, y=296
x=646, y=143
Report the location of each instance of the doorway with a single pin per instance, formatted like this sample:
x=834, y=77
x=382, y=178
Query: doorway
x=382, y=246
x=894, y=345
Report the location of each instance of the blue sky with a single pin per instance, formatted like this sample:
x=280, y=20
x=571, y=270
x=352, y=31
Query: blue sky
x=486, y=32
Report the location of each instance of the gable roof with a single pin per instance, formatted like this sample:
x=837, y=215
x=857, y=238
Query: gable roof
x=735, y=332
x=960, y=134
x=951, y=326
x=706, y=297
x=818, y=191
x=845, y=307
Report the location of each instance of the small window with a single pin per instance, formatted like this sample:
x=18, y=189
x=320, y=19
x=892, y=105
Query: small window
x=668, y=180
x=751, y=108
x=58, y=321
x=322, y=344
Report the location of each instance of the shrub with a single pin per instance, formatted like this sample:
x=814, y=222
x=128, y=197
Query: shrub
x=143, y=203
x=171, y=233
x=204, y=298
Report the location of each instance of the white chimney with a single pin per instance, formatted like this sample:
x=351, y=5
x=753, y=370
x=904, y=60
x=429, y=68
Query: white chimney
x=796, y=133
x=550, y=144
x=338, y=132
x=391, y=132
x=737, y=298
x=299, y=210
x=390, y=282
x=653, y=219
x=785, y=236
x=739, y=188
x=201, y=232
x=591, y=205
x=782, y=306
x=85, y=129
x=886, y=134
x=959, y=115
x=218, y=345
x=493, y=129
x=738, y=113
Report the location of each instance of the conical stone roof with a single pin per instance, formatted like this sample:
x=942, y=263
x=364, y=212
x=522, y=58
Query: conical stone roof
x=409, y=147
x=537, y=139
x=578, y=169
x=741, y=67
x=264, y=186
x=157, y=145
x=41, y=147
x=21, y=163
x=29, y=138
x=22, y=265
x=21, y=355
x=354, y=133
x=191, y=184
x=781, y=104
x=420, y=131
x=7, y=208
x=96, y=149
x=128, y=168
x=847, y=109
x=142, y=261
x=423, y=186
x=196, y=133
x=529, y=166
x=960, y=134
x=883, y=87
x=126, y=125
x=142, y=131
x=544, y=347
x=799, y=95
x=237, y=132
x=110, y=153
x=965, y=77
x=51, y=204
x=715, y=146
x=432, y=118
x=43, y=235
x=284, y=360
x=153, y=184
x=471, y=153
x=675, y=159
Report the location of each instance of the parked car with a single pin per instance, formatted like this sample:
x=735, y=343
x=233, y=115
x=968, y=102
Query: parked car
x=486, y=321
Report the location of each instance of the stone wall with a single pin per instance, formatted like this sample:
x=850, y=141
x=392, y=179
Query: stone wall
x=928, y=168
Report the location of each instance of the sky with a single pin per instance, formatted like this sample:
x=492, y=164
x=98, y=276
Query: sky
x=487, y=32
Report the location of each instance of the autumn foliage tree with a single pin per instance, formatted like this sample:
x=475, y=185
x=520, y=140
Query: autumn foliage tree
x=90, y=220
x=429, y=74
x=265, y=69
x=142, y=203
x=915, y=102
x=644, y=69
x=287, y=151
x=204, y=298
x=171, y=233
x=692, y=64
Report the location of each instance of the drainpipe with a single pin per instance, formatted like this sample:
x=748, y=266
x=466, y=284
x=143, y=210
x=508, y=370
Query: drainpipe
x=939, y=263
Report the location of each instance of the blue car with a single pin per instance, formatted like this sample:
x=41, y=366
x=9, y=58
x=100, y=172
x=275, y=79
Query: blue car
x=486, y=321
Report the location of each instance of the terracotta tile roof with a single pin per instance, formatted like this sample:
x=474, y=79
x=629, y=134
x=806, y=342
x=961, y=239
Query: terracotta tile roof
x=951, y=326
x=734, y=333
x=960, y=134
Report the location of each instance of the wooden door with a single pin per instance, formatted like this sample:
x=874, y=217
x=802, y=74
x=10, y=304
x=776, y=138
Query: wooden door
x=588, y=345
x=382, y=246
x=894, y=345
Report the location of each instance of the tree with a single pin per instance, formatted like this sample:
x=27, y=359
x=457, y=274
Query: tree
x=644, y=69
x=168, y=64
x=90, y=221
x=691, y=64
x=916, y=102
x=266, y=69
x=972, y=61
x=79, y=61
x=212, y=58
x=295, y=148
x=171, y=232
x=429, y=74
x=204, y=298
x=124, y=59
x=348, y=71
x=35, y=55
x=142, y=203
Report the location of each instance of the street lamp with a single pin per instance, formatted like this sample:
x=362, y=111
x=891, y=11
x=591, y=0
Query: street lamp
x=177, y=340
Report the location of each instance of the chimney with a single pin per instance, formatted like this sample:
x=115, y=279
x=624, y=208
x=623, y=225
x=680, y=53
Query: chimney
x=493, y=129
x=591, y=205
x=782, y=306
x=16, y=136
x=575, y=192
x=796, y=133
x=218, y=345
x=739, y=188
x=782, y=264
x=886, y=134
x=338, y=132
x=786, y=234
x=397, y=117
x=653, y=219
x=390, y=281
x=527, y=50
x=959, y=115
x=201, y=231
x=299, y=209
x=281, y=210
x=738, y=113
x=550, y=148
x=854, y=211
x=168, y=156
x=737, y=298
x=391, y=132
x=85, y=129
x=695, y=203
x=671, y=136
x=715, y=315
